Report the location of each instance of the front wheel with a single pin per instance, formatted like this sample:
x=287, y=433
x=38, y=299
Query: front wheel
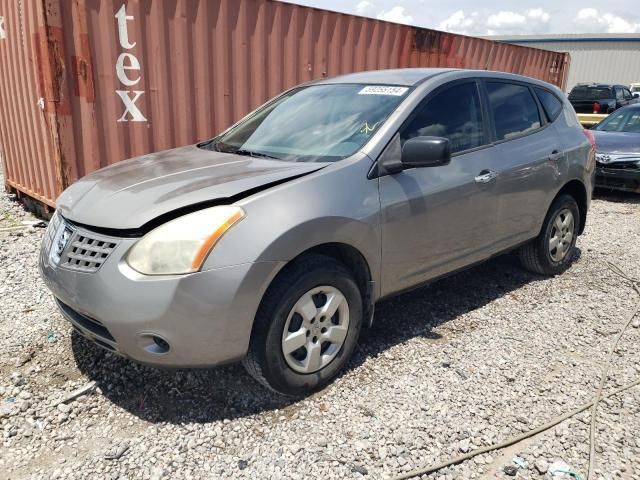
x=306, y=327
x=550, y=252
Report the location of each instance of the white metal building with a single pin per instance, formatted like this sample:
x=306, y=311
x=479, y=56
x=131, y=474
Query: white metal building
x=605, y=58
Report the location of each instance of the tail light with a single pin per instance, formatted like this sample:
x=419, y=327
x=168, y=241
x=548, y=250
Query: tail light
x=591, y=137
x=596, y=107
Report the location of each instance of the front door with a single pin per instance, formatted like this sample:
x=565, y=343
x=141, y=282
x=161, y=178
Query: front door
x=439, y=219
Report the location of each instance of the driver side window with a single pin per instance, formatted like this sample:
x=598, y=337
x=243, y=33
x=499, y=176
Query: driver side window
x=454, y=113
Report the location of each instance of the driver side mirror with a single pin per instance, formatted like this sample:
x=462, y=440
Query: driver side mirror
x=421, y=152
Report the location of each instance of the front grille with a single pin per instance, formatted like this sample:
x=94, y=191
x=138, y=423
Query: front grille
x=76, y=248
x=86, y=251
x=621, y=166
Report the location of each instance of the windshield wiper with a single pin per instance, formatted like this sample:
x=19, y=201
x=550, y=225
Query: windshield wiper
x=250, y=153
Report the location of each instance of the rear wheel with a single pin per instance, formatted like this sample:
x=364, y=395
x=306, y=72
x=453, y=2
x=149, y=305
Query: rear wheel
x=550, y=253
x=306, y=327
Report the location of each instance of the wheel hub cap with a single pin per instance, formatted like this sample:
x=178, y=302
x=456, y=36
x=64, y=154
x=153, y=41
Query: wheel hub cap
x=316, y=329
x=561, y=238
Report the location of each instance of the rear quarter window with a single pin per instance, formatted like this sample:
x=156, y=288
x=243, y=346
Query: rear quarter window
x=514, y=110
x=551, y=104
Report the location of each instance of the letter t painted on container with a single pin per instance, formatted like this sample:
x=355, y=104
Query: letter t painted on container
x=123, y=32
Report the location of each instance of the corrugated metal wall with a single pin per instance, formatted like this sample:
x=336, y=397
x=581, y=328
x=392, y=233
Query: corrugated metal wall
x=600, y=61
x=125, y=78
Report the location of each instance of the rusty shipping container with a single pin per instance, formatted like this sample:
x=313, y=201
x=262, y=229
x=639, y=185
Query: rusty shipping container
x=87, y=83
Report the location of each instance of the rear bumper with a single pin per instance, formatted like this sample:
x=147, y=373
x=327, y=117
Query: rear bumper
x=205, y=318
x=619, y=179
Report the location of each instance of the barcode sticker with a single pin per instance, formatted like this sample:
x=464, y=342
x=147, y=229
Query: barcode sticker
x=382, y=90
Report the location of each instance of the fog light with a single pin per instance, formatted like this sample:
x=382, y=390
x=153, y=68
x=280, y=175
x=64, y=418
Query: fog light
x=161, y=343
x=153, y=343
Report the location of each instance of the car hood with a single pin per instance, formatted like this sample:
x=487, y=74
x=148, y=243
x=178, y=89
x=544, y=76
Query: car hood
x=617, y=142
x=130, y=194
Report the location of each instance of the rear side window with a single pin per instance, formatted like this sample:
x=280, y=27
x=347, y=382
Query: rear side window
x=455, y=114
x=551, y=104
x=514, y=110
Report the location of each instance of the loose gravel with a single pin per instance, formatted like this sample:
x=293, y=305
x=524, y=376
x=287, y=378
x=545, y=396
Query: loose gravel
x=466, y=362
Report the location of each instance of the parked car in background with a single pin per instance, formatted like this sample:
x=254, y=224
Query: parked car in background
x=618, y=150
x=599, y=97
x=635, y=89
x=273, y=241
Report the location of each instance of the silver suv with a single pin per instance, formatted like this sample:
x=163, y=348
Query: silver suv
x=272, y=242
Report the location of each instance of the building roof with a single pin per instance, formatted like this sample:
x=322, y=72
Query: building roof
x=567, y=37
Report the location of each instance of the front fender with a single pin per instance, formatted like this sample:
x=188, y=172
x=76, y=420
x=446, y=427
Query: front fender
x=335, y=205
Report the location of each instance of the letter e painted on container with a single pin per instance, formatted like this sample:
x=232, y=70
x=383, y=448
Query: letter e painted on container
x=126, y=61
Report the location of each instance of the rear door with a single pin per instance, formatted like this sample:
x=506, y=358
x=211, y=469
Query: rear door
x=628, y=96
x=620, y=100
x=439, y=219
x=531, y=159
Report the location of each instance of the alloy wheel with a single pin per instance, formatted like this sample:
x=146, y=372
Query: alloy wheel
x=316, y=329
x=561, y=238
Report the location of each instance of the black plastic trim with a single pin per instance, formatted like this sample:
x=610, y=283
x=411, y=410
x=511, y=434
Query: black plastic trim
x=85, y=322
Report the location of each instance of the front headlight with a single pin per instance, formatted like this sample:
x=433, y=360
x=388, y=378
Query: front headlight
x=182, y=245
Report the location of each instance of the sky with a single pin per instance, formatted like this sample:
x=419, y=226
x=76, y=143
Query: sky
x=498, y=17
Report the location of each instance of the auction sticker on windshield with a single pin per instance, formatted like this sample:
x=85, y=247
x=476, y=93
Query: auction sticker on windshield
x=382, y=90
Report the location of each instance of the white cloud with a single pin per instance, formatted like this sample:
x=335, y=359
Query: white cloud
x=538, y=14
x=363, y=7
x=595, y=22
x=506, y=20
x=396, y=14
x=459, y=22
x=587, y=15
x=535, y=20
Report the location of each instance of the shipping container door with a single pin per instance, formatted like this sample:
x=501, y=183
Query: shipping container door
x=29, y=157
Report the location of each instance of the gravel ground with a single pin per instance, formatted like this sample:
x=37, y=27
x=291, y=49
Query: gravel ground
x=466, y=362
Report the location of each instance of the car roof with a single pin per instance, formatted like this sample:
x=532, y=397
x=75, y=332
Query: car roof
x=631, y=106
x=409, y=77
x=400, y=76
x=598, y=85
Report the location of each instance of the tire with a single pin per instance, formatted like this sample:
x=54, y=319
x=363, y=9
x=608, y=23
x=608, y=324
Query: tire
x=538, y=256
x=315, y=277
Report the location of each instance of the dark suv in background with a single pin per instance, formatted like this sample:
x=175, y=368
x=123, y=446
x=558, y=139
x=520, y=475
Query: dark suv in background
x=600, y=97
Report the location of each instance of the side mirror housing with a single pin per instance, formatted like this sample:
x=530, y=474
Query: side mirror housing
x=421, y=152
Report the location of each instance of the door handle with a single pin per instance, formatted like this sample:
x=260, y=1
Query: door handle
x=486, y=176
x=555, y=156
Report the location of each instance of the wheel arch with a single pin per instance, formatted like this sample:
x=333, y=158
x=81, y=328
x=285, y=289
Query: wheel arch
x=350, y=257
x=578, y=191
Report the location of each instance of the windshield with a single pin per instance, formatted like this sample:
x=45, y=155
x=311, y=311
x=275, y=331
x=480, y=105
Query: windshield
x=318, y=123
x=591, y=93
x=626, y=120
